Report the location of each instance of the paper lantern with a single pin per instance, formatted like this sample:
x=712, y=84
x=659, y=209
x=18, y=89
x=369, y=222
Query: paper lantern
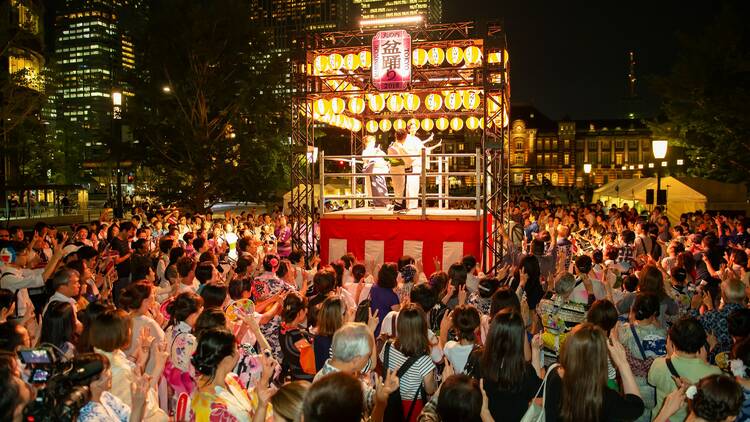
x=335, y=61
x=395, y=103
x=472, y=55
x=457, y=124
x=385, y=125
x=321, y=64
x=376, y=102
x=413, y=122
x=351, y=61
x=399, y=124
x=453, y=101
x=495, y=57
x=419, y=57
x=454, y=55
x=427, y=124
x=436, y=56
x=356, y=125
x=322, y=106
x=471, y=100
x=411, y=102
x=472, y=123
x=442, y=123
x=372, y=126
x=356, y=105
x=338, y=105
x=365, y=59
x=433, y=102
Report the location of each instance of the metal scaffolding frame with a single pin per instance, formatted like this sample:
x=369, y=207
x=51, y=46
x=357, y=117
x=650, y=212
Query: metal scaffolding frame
x=491, y=79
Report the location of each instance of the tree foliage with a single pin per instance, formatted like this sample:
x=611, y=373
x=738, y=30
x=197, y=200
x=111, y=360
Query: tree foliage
x=706, y=97
x=204, y=105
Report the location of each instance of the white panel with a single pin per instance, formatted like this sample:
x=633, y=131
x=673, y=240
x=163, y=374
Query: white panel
x=336, y=249
x=413, y=248
x=452, y=253
x=375, y=251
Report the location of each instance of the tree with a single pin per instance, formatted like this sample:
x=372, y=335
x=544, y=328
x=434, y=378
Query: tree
x=205, y=105
x=706, y=97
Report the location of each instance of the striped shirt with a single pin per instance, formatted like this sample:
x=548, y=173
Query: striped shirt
x=412, y=379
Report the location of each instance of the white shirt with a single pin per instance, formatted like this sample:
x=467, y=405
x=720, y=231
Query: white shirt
x=413, y=146
x=59, y=297
x=458, y=355
x=18, y=278
x=381, y=166
x=352, y=289
x=182, y=288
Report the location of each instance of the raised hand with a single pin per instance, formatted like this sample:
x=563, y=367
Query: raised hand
x=372, y=319
x=446, y=323
x=384, y=388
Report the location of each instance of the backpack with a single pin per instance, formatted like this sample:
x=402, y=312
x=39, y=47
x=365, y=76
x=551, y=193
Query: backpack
x=640, y=366
x=394, y=410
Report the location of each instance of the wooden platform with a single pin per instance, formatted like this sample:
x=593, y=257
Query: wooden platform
x=414, y=214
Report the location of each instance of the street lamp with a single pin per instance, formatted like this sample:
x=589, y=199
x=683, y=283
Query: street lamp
x=116, y=141
x=587, y=168
x=659, y=148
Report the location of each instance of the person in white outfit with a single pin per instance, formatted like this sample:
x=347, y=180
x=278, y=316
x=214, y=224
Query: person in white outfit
x=377, y=167
x=414, y=146
x=397, y=170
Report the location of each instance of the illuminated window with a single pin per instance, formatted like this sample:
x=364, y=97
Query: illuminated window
x=461, y=147
x=618, y=159
x=28, y=68
x=566, y=159
x=519, y=159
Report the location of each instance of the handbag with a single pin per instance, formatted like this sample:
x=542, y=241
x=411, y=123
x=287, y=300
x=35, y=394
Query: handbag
x=363, y=310
x=536, y=413
x=640, y=367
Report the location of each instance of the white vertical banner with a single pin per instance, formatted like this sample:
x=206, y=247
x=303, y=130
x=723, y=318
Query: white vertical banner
x=413, y=248
x=452, y=252
x=336, y=249
x=391, y=60
x=375, y=251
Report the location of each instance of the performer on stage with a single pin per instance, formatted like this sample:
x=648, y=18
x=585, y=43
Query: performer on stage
x=377, y=167
x=414, y=146
x=399, y=166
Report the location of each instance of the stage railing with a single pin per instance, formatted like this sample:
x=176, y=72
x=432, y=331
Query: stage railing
x=359, y=180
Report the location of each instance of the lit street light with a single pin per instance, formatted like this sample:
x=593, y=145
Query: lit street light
x=659, y=148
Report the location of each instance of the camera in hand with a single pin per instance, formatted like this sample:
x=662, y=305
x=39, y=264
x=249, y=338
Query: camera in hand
x=62, y=387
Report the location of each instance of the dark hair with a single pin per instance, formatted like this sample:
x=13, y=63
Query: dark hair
x=424, y=296
x=487, y=287
x=387, y=275
x=460, y=399
x=630, y=282
x=336, y=396
x=603, y=314
x=110, y=330
x=214, y=295
x=400, y=135
x=466, y=319
x=503, y=298
x=687, y=335
x=165, y=244
x=469, y=262
x=330, y=316
x=738, y=323
x=207, y=256
x=7, y=298
x=404, y=261
x=140, y=267
x=348, y=259
x=175, y=254
x=439, y=281
x=184, y=265
x=237, y=287
x=502, y=360
x=679, y=274
x=86, y=252
x=584, y=264
x=597, y=256
x=645, y=306
x=358, y=272
x=132, y=297
x=183, y=305
x=457, y=274
x=293, y=304
x=411, y=326
x=208, y=319
x=718, y=397
x=198, y=243
x=324, y=281
x=213, y=346
x=270, y=262
x=87, y=316
x=295, y=256
x=126, y=226
x=204, y=272
x=10, y=338
x=628, y=236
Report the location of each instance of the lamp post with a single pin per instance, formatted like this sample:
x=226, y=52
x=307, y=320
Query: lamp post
x=659, y=148
x=116, y=141
x=587, y=171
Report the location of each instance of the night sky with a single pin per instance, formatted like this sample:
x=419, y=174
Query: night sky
x=570, y=57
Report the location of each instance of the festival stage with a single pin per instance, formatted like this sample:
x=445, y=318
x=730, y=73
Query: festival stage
x=384, y=236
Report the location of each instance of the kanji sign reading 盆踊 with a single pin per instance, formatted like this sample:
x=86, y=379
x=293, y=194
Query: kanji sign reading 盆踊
x=391, y=60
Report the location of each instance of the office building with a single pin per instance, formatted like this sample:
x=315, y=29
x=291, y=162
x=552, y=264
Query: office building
x=430, y=10
x=94, y=57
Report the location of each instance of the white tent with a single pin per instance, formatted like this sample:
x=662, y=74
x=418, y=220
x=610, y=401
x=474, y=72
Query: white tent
x=684, y=194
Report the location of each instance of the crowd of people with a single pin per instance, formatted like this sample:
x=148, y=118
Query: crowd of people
x=596, y=313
